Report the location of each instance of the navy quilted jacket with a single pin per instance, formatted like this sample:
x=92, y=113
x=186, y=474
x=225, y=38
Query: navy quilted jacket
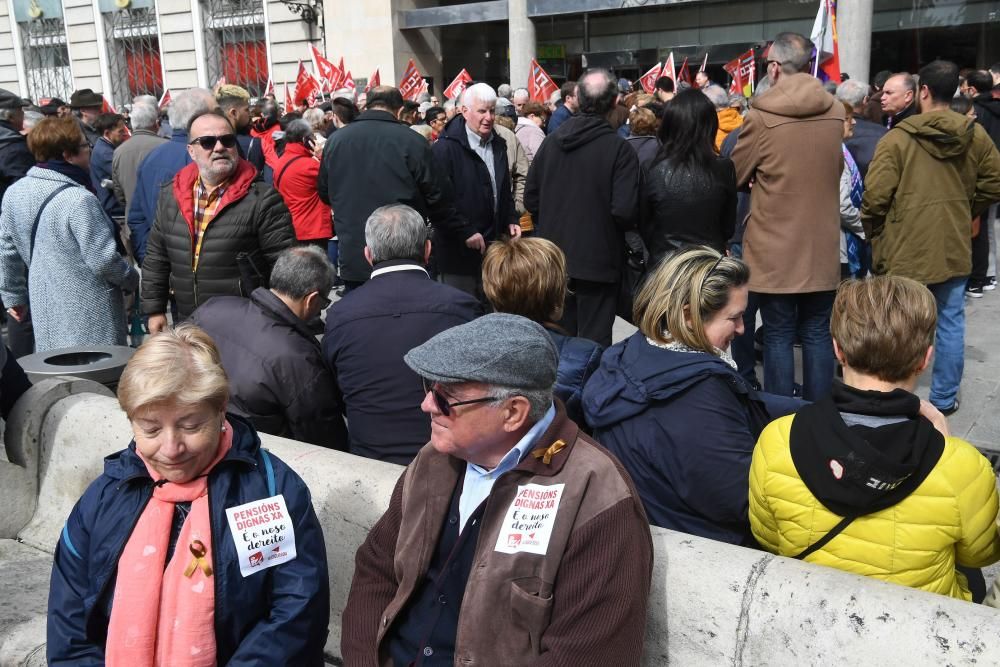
x=276, y=616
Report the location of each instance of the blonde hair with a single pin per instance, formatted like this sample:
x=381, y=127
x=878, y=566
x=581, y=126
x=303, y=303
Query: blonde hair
x=884, y=325
x=181, y=365
x=526, y=277
x=698, y=279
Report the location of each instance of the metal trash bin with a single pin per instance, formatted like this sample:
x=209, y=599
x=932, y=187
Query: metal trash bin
x=100, y=363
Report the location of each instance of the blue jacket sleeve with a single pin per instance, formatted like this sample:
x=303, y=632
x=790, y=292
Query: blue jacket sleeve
x=139, y=221
x=295, y=630
x=67, y=642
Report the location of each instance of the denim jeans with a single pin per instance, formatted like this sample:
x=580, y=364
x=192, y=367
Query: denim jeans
x=949, y=342
x=806, y=317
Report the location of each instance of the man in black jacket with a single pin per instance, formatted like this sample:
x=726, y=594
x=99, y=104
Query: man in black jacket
x=474, y=158
x=15, y=158
x=371, y=162
x=277, y=377
x=986, y=102
x=372, y=327
x=866, y=133
x=583, y=194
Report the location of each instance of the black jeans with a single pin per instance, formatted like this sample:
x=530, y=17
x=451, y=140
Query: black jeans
x=590, y=310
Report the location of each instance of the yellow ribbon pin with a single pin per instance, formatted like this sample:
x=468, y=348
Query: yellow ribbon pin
x=198, y=551
x=546, y=454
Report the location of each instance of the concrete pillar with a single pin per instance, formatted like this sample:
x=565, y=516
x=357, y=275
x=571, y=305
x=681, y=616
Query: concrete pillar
x=522, y=42
x=854, y=31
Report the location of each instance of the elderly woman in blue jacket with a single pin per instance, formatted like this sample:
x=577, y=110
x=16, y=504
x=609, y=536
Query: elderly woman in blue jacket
x=195, y=546
x=670, y=404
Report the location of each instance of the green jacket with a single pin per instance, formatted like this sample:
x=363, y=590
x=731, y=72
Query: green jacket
x=931, y=175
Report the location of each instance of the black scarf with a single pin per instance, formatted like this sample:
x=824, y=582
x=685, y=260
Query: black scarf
x=857, y=470
x=78, y=174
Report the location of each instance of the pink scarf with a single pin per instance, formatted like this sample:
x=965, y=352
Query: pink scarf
x=167, y=616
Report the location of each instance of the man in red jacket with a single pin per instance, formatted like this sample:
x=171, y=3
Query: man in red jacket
x=295, y=176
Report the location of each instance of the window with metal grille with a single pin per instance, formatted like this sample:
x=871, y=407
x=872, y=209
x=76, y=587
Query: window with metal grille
x=133, y=53
x=46, y=60
x=235, y=44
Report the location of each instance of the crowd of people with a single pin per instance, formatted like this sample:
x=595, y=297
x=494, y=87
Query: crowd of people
x=481, y=250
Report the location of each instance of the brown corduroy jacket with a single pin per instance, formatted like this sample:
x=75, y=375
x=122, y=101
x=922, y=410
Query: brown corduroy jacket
x=583, y=600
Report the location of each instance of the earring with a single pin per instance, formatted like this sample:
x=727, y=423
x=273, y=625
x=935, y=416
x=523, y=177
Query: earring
x=223, y=429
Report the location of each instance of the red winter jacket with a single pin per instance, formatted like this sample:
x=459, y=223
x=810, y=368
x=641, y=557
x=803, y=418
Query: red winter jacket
x=295, y=176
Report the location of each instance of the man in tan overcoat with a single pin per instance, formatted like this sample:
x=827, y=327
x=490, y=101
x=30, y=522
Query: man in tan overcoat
x=790, y=150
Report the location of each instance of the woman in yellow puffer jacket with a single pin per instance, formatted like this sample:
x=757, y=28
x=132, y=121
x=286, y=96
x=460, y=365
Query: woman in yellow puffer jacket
x=875, y=462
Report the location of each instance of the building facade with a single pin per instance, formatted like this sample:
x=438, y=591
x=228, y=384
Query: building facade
x=128, y=47
x=125, y=48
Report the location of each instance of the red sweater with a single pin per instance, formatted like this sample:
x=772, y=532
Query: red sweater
x=295, y=176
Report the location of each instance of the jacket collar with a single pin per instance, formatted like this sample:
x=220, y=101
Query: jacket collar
x=237, y=189
x=127, y=466
x=405, y=264
x=8, y=133
x=377, y=114
x=274, y=307
x=555, y=444
x=179, y=135
x=297, y=150
x=455, y=131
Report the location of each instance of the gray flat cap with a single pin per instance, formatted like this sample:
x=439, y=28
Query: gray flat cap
x=500, y=349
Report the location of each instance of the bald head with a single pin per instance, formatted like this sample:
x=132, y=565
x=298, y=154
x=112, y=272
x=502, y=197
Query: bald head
x=898, y=93
x=597, y=92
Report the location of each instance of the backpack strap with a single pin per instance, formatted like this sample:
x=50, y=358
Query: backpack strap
x=283, y=169
x=823, y=541
x=38, y=218
x=268, y=472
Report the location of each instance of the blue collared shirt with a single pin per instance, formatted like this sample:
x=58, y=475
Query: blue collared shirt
x=479, y=481
x=484, y=149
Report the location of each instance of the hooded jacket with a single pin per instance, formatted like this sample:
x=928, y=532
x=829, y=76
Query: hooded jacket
x=583, y=194
x=988, y=115
x=862, y=453
x=729, y=119
x=790, y=148
x=280, y=613
x=931, y=175
x=250, y=218
x=684, y=425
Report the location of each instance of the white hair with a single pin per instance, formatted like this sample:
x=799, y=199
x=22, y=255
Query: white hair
x=314, y=117
x=521, y=94
x=146, y=99
x=481, y=92
x=717, y=96
x=853, y=92
x=192, y=102
x=144, y=116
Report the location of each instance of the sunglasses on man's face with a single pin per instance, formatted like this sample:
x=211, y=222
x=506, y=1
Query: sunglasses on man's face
x=208, y=142
x=441, y=401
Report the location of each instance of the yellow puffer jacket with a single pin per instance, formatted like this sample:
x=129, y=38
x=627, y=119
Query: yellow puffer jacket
x=950, y=518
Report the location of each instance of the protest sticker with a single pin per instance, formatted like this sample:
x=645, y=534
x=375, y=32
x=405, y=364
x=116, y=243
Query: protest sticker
x=527, y=526
x=263, y=533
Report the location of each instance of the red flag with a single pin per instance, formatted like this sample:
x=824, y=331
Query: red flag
x=456, y=87
x=328, y=73
x=540, y=84
x=349, y=82
x=704, y=63
x=307, y=88
x=342, y=71
x=374, y=81
x=412, y=84
x=648, y=80
x=684, y=74
x=106, y=106
x=743, y=71
x=165, y=100
x=269, y=90
x=289, y=102
x=670, y=69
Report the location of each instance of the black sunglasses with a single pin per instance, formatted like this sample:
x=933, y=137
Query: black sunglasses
x=442, y=401
x=324, y=302
x=208, y=142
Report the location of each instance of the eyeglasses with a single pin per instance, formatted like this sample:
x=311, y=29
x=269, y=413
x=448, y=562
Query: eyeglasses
x=208, y=142
x=441, y=401
x=708, y=275
x=324, y=302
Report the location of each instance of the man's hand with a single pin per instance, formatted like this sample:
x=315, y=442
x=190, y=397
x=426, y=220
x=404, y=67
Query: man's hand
x=19, y=313
x=157, y=323
x=934, y=416
x=476, y=242
x=515, y=231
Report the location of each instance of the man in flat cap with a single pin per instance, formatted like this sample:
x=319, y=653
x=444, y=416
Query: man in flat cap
x=512, y=538
x=15, y=158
